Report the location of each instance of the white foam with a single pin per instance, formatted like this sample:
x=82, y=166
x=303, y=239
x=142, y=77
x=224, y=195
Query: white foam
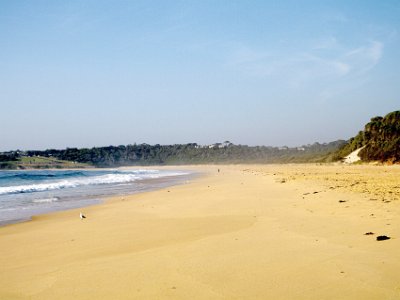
x=46, y=200
x=123, y=177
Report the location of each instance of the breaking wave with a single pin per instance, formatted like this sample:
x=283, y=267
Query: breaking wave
x=79, y=180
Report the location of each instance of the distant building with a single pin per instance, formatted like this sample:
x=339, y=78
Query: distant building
x=220, y=145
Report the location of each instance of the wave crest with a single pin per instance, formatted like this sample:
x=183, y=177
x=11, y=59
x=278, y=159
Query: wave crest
x=112, y=178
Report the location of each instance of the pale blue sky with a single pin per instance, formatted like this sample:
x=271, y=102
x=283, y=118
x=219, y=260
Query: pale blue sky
x=95, y=73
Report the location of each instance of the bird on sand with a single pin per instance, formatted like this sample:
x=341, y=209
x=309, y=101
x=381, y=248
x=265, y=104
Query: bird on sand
x=82, y=216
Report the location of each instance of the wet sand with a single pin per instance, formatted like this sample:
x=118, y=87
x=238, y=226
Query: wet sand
x=246, y=232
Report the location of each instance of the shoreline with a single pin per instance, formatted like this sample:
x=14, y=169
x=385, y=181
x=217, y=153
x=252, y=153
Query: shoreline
x=142, y=186
x=246, y=232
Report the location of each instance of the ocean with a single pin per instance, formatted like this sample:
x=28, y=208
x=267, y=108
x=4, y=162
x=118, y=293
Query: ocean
x=25, y=193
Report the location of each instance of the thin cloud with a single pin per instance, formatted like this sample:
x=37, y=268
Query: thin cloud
x=364, y=58
x=306, y=67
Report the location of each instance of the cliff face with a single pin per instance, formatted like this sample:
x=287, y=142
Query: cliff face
x=381, y=138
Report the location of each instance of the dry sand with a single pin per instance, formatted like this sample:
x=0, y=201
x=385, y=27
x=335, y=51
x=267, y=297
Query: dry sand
x=248, y=232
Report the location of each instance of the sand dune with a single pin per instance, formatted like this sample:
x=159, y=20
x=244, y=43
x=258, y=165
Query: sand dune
x=353, y=156
x=247, y=232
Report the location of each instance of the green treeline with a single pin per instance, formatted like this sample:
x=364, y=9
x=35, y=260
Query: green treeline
x=380, y=139
x=144, y=154
x=8, y=160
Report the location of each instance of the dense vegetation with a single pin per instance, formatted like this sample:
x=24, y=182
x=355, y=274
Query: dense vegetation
x=22, y=161
x=8, y=160
x=380, y=139
x=192, y=153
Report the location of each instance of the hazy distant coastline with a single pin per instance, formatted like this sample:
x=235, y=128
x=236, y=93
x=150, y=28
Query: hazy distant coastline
x=178, y=154
x=379, y=142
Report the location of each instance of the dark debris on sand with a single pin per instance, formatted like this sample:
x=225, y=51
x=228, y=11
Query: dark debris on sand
x=382, y=238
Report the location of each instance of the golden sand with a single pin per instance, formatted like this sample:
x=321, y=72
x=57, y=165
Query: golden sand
x=247, y=232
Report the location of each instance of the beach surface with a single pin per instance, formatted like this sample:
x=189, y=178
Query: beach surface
x=243, y=232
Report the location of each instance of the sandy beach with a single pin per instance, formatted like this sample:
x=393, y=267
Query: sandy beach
x=246, y=232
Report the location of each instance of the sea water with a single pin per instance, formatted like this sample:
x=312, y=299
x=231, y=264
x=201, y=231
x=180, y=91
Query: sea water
x=25, y=193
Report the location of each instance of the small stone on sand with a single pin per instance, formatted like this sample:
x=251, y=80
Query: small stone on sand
x=382, y=238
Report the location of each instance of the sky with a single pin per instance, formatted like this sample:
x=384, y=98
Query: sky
x=98, y=73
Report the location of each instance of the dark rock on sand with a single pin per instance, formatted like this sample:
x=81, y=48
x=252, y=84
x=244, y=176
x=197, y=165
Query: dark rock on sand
x=382, y=238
